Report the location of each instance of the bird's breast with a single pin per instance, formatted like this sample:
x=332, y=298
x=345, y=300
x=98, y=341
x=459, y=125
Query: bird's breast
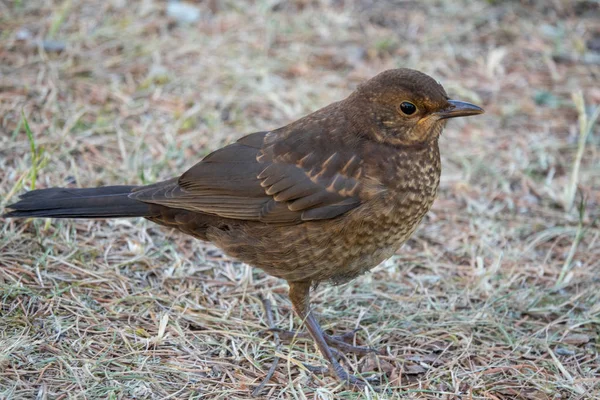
x=375, y=231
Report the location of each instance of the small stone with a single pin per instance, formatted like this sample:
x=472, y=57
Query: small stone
x=576, y=338
x=562, y=351
x=54, y=45
x=183, y=13
x=23, y=34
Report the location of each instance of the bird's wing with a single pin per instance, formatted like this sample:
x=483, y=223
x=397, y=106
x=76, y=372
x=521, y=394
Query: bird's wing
x=266, y=177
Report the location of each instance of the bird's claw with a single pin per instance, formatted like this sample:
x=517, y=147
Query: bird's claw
x=353, y=380
x=339, y=342
x=340, y=373
x=316, y=369
x=347, y=337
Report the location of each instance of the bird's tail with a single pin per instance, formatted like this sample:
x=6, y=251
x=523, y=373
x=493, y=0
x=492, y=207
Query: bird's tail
x=102, y=202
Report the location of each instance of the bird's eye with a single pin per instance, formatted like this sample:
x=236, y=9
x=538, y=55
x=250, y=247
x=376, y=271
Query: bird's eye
x=408, y=108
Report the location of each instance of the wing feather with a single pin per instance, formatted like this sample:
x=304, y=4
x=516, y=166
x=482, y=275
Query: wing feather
x=265, y=177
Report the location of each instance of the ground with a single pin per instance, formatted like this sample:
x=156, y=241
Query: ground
x=497, y=295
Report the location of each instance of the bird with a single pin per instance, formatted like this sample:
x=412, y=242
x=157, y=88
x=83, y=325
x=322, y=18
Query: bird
x=325, y=198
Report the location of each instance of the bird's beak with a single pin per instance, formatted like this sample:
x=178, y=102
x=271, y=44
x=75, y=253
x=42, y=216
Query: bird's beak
x=459, y=108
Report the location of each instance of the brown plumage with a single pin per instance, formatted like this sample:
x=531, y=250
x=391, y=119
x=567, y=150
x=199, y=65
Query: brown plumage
x=324, y=198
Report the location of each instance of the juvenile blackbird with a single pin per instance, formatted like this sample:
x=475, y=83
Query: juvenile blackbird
x=325, y=198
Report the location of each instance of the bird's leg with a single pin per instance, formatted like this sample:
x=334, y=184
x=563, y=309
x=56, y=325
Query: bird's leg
x=300, y=297
x=341, y=342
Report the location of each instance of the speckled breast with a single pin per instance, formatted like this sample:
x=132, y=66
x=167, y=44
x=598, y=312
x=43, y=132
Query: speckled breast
x=362, y=239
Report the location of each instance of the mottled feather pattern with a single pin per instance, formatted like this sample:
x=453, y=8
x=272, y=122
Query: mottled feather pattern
x=338, y=249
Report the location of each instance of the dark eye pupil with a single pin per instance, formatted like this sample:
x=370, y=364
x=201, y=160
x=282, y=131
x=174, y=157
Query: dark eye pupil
x=408, y=108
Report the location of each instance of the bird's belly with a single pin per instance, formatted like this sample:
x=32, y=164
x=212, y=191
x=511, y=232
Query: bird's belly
x=323, y=250
x=373, y=242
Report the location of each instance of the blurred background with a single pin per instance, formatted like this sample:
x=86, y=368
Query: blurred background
x=495, y=297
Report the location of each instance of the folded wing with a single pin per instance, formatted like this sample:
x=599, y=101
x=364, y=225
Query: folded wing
x=265, y=177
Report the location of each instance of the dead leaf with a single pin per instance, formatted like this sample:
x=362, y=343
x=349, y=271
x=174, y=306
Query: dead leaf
x=413, y=369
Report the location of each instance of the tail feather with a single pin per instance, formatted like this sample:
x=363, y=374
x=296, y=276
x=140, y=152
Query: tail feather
x=102, y=202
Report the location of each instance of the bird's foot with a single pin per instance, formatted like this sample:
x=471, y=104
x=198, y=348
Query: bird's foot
x=341, y=342
x=341, y=374
x=337, y=371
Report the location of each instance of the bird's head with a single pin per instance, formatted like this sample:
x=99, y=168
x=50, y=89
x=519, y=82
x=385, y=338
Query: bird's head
x=406, y=107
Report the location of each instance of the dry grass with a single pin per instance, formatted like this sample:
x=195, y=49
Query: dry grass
x=473, y=307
